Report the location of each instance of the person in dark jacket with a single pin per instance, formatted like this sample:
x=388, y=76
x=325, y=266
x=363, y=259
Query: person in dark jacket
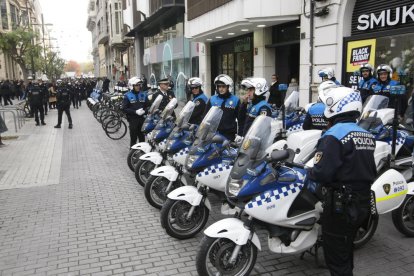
x=229, y=103
x=199, y=98
x=253, y=105
x=276, y=97
x=63, y=100
x=134, y=105
x=344, y=165
x=367, y=82
x=36, y=95
x=166, y=94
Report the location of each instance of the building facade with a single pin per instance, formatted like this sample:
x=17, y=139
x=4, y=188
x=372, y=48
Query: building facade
x=14, y=13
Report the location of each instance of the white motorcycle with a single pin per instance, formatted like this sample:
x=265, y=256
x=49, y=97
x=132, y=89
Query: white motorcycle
x=275, y=197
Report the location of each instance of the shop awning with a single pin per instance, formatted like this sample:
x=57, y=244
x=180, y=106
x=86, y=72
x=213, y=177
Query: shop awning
x=163, y=18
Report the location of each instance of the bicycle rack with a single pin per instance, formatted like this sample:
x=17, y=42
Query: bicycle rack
x=18, y=116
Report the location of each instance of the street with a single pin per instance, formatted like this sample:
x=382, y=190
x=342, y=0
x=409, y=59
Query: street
x=69, y=205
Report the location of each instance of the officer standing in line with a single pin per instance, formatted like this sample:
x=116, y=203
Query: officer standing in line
x=199, y=98
x=134, y=105
x=229, y=103
x=36, y=97
x=328, y=74
x=367, y=82
x=63, y=99
x=344, y=165
x=166, y=94
x=45, y=93
x=253, y=104
x=315, y=118
x=383, y=87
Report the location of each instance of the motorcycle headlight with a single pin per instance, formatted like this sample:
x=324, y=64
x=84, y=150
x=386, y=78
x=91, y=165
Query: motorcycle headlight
x=169, y=145
x=190, y=160
x=235, y=186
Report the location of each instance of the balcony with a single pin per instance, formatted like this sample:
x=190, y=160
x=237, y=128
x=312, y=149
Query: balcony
x=103, y=36
x=163, y=14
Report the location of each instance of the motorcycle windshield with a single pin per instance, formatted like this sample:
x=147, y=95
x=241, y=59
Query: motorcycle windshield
x=373, y=103
x=169, y=109
x=155, y=104
x=291, y=102
x=209, y=125
x=259, y=137
x=185, y=114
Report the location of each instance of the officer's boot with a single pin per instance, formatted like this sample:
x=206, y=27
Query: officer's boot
x=70, y=126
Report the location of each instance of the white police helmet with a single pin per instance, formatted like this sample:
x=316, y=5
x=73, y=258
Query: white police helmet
x=366, y=66
x=341, y=100
x=324, y=88
x=384, y=68
x=224, y=79
x=327, y=72
x=134, y=81
x=195, y=82
x=247, y=83
x=260, y=86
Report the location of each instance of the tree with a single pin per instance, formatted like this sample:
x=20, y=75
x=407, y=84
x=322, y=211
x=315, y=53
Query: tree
x=19, y=45
x=72, y=66
x=54, y=65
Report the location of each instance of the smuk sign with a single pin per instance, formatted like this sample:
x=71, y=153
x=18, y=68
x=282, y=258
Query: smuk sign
x=386, y=18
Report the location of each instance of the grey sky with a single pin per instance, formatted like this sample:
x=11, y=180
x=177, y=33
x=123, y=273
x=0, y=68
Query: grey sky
x=69, y=27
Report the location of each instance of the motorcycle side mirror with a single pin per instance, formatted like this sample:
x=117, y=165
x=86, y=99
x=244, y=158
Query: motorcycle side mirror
x=279, y=155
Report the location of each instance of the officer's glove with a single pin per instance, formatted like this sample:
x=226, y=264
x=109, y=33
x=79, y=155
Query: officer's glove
x=150, y=97
x=238, y=139
x=140, y=112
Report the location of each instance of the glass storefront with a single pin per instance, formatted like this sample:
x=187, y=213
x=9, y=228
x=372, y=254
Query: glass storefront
x=234, y=58
x=171, y=54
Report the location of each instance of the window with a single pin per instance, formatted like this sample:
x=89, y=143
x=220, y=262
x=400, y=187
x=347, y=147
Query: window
x=13, y=16
x=4, y=17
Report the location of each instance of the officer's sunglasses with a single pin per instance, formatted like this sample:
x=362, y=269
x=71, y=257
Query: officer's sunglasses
x=364, y=70
x=193, y=88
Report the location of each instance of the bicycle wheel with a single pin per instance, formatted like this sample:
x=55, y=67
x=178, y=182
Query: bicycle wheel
x=117, y=131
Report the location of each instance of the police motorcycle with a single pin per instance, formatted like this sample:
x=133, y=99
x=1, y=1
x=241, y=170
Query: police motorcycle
x=149, y=124
x=178, y=138
x=209, y=148
x=272, y=192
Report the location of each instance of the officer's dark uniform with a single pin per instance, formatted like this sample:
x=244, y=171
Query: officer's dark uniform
x=36, y=97
x=230, y=105
x=314, y=119
x=166, y=97
x=131, y=103
x=200, y=102
x=63, y=99
x=249, y=112
x=344, y=158
x=365, y=87
x=383, y=88
x=46, y=97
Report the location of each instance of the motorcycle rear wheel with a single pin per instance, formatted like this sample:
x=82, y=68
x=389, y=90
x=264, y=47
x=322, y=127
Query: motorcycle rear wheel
x=403, y=216
x=366, y=231
x=214, y=254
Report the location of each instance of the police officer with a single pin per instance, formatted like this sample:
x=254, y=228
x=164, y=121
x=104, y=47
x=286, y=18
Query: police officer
x=253, y=104
x=45, y=101
x=383, y=87
x=229, y=103
x=328, y=74
x=36, y=97
x=63, y=100
x=344, y=164
x=134, y=104
x=199, y=99
x=166, y=94
x=314, y=118
x=365, y=85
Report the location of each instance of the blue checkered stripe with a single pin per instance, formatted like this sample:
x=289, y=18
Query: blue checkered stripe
x=353, y=97
x=214, y=169
x=182, y=152
x=400, y=138
x=275, y=195
x=295, y=128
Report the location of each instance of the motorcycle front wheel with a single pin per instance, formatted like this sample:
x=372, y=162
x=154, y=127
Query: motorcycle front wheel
x=403, y=216
x=175, y=221
x=142, y=171
x=214, y=254
x=156, y=190
x=133, y=158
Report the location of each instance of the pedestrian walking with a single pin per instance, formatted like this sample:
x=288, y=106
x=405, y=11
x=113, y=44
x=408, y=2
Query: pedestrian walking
x=63, y=104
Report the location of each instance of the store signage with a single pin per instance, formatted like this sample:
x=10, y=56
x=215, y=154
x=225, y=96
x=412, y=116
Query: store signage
x=360, y=55
x=386, y=18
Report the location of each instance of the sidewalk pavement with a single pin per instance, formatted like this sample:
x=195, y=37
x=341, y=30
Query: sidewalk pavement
x=69, y=205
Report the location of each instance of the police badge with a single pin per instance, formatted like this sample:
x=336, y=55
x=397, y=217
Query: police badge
x=318, y=157
x=387, y=188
